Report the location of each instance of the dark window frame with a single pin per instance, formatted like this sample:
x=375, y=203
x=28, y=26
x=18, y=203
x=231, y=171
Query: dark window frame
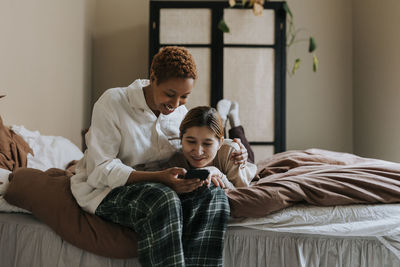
x=217, y=45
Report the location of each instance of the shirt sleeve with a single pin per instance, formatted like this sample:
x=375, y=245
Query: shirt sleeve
x=239, y=176
x=104, y=168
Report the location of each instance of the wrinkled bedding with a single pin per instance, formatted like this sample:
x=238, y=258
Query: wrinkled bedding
x=13, y=149
x=278, y=199
x=317, y=177
x=349, y=220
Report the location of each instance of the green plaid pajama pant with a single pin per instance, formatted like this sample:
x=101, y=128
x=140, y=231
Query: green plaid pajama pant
x=174, y=230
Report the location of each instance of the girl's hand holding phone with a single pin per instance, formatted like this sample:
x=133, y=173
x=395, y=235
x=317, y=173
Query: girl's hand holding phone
x=215, y=177
x=170, y=177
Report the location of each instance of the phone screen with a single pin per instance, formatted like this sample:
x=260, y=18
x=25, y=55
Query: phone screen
x=201, y=174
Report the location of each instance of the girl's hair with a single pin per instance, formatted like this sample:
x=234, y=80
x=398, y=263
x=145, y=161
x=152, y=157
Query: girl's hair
x=203, y=116
x=172, y=62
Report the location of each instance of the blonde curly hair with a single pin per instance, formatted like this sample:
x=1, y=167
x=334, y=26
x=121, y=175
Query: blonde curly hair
x=172, y=62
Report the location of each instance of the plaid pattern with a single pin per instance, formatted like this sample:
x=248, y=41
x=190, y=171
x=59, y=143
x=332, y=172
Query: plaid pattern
x=174, y=230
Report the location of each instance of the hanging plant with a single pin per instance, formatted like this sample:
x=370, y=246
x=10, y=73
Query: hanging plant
x=292, y=38
x=291, y=34
x=257, y=5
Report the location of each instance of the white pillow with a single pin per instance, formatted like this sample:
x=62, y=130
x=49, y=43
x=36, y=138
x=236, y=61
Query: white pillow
x=4, y=180
x=50, y=151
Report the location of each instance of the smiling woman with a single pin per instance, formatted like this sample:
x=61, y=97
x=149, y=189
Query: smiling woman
x=172, y=76
x=166, y=96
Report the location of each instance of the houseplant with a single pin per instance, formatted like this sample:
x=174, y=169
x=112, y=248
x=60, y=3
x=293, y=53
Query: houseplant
x=293, y=35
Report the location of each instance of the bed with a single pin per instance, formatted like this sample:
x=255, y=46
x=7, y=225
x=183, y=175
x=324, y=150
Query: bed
x=25, y=241
x=305, y=208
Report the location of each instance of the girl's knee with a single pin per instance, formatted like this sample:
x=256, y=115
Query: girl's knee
x=215, y=197
x=162, y=195
x=217, y=192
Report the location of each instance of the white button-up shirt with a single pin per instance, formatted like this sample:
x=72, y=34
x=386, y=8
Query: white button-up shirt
x=124, y=132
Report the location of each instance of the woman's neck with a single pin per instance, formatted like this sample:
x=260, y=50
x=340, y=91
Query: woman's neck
x=148, y=96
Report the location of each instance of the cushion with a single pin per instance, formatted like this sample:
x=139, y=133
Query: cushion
x=13, y=149
x=48, y=196
x=49, y=151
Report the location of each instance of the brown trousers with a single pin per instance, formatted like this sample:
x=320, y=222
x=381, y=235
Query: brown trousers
x=238, y=132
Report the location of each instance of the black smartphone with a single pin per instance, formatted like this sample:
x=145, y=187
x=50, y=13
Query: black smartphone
x=201, y=174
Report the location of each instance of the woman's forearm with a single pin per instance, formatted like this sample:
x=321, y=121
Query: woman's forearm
x=143, y=176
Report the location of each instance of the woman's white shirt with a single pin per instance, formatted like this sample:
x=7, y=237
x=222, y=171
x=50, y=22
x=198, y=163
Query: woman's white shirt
x=124, y=132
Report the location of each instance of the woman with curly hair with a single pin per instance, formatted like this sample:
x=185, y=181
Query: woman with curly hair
x=135, y=130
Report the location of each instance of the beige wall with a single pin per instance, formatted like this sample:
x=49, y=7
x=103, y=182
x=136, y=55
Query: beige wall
x=120, y=43
x=45, y=56
x=320, y=105
x=45, y=65
x=377, y=79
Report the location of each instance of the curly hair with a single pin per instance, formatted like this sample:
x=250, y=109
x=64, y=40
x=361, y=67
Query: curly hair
x=172, y=62
x=202, y=116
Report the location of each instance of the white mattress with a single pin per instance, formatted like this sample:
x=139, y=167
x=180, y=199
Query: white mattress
x=349, y=220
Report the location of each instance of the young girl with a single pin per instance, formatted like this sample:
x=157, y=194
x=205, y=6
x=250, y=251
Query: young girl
x=203, y=146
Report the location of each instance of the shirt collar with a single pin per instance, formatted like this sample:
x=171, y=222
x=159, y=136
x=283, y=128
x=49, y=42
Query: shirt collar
x=136, y=95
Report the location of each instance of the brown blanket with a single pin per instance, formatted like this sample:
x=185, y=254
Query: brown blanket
x=13, y=149
x=317, y=177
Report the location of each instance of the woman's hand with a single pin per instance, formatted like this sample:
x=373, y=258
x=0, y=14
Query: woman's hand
x=239, y=157
x=217, y=180
x=215, y=177
x=170, y=178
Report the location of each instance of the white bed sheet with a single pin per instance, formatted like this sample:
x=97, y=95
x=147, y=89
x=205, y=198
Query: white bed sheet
x=381, y=221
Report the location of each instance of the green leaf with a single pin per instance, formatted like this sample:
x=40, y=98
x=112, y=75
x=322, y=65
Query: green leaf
x=312, y=45
x=287, y=9
x=296, y=65
x=222, y=26
x=315, y=63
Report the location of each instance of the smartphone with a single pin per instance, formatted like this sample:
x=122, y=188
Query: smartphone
x=201, y=174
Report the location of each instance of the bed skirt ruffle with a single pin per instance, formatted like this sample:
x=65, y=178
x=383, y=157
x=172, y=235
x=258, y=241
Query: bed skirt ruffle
x=248, y=247
x=24, y=241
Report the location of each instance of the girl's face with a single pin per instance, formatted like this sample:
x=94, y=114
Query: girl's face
x=200, y=146
x=167, y=96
